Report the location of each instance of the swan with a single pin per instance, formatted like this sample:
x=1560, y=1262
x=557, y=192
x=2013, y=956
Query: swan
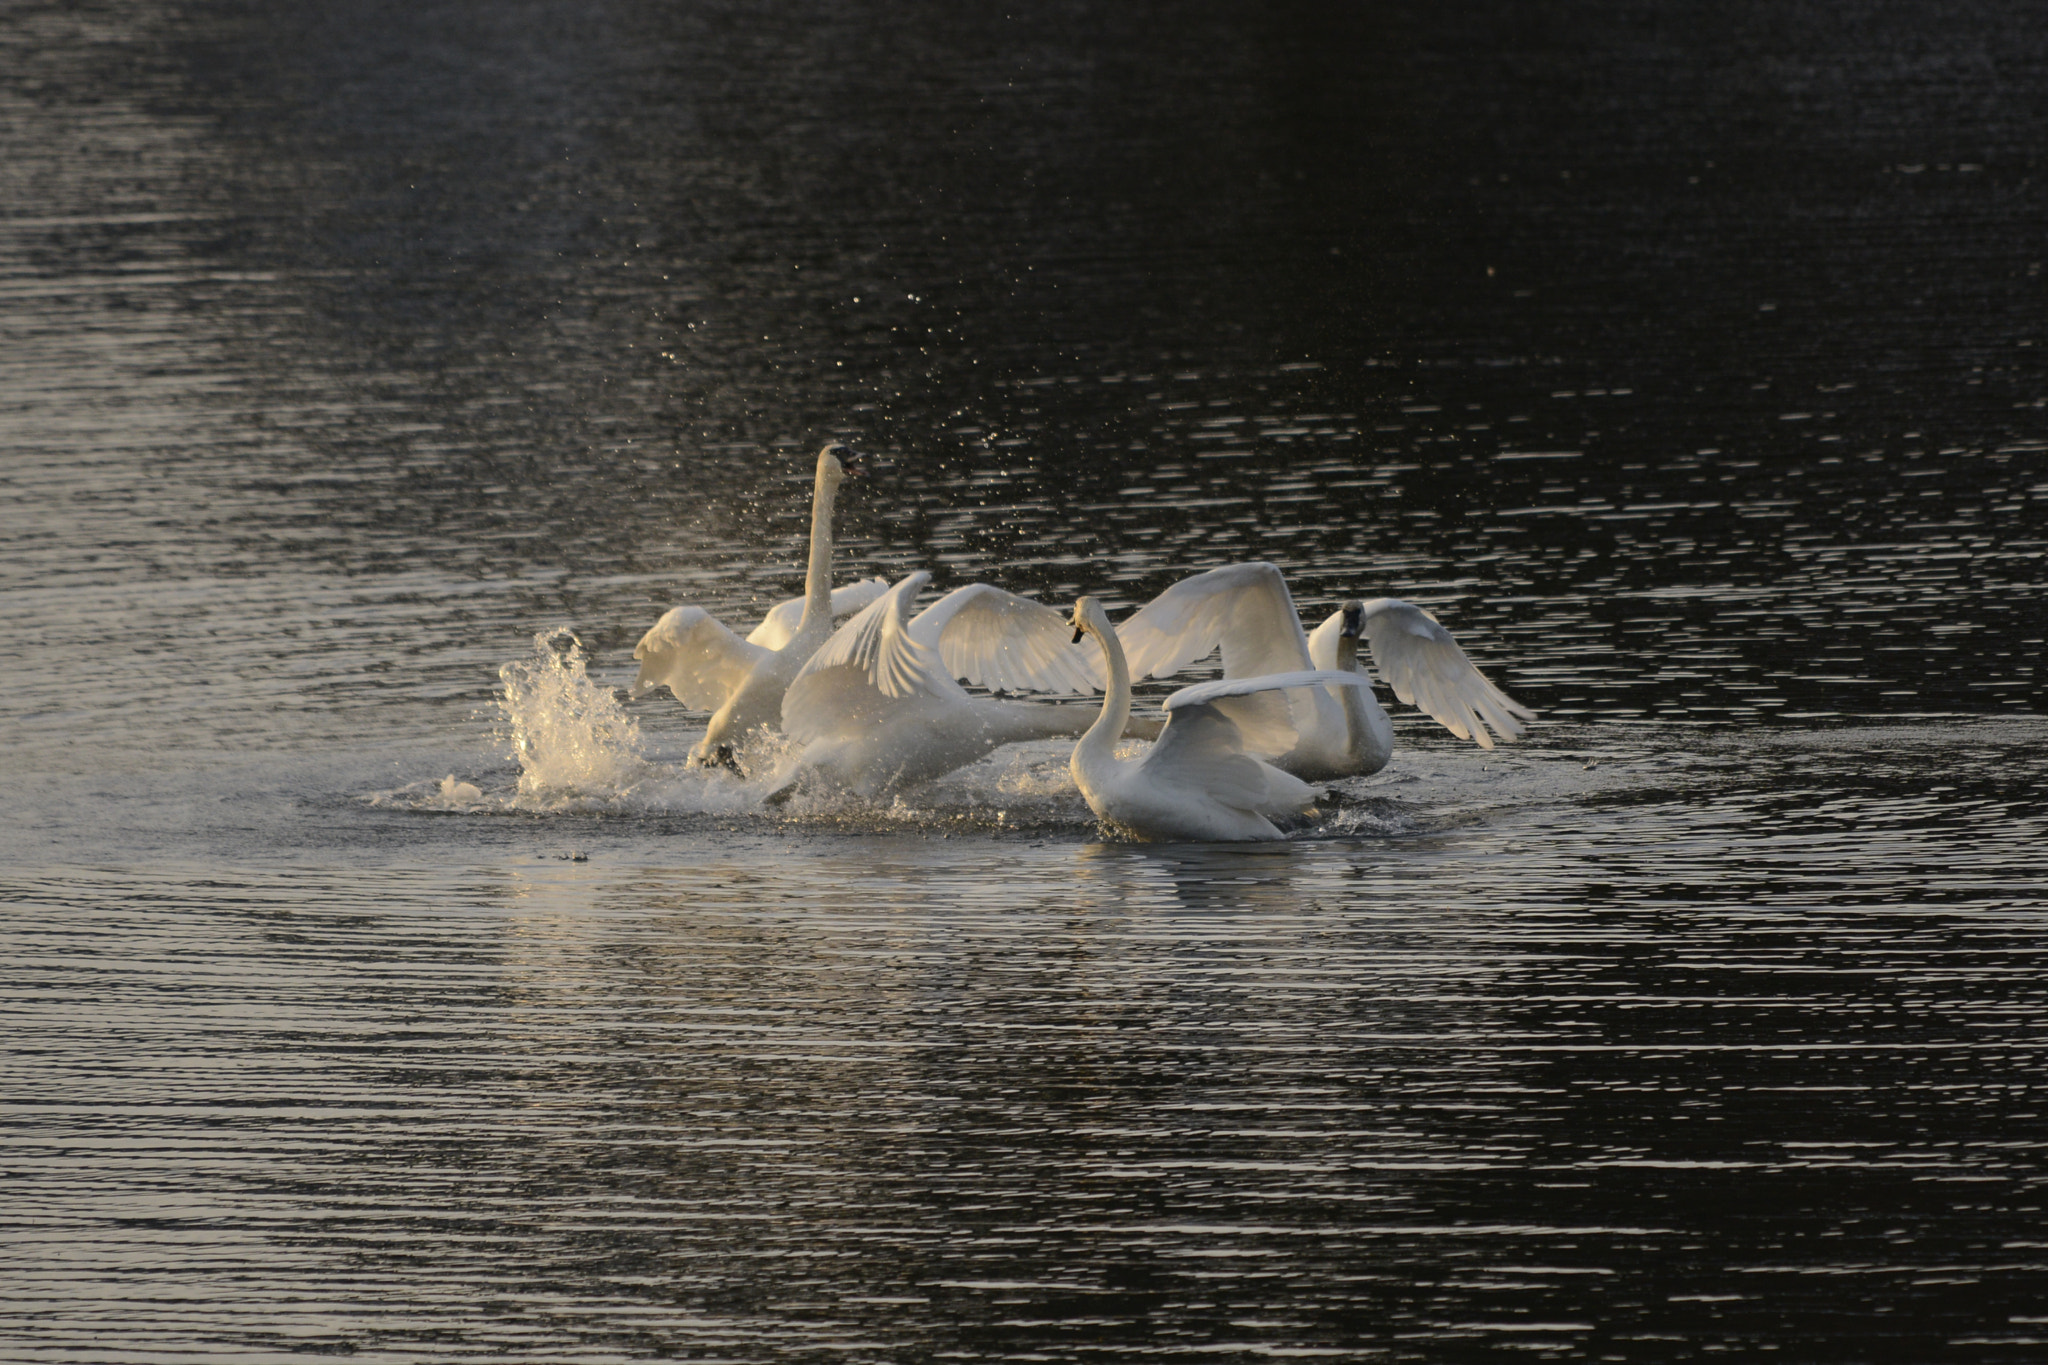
x=879, y=707
x=1197, y=784
x=1324, y=732
x=741, y=682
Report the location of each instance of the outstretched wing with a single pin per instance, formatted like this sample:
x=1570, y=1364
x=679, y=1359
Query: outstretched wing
x=1201, y=750
x=877, y=644
x=1423, y=664
x=699, y=660
x=778, y=627
x=999, y=640
x=1272, y=712
x=1245, y=608
x=1203, y=693
x=832, y=704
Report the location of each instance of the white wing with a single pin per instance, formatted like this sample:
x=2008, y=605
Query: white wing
x=1203, y=693
x=877, y=644
x=1423, y=664
x=1245, y=608
x=832, y=704
x=778, y=627
x=1202, y=749
x=701, y=661
x=1274, y=713
x=999, y=640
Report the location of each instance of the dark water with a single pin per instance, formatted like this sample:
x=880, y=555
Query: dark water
x=1690, y=366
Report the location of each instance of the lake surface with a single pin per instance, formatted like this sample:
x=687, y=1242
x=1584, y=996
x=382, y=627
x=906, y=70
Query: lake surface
x=377, y=983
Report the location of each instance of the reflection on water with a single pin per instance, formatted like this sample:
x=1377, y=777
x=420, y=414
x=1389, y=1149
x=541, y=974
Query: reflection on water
x=1692, y=373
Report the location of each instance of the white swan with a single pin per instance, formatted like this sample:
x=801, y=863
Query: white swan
x=878, y=708
x=741, y=682
x=1323, y=732
x=1197, y=783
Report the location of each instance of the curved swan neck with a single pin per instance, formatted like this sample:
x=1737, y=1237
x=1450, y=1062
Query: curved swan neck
x=1368, y=735
x=1357, y=727
x=818, y=575
x=1108, y=728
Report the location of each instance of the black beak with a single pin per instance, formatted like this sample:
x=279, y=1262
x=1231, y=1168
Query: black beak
x=1078, y=633
x=853, y=462
x=1352, y=621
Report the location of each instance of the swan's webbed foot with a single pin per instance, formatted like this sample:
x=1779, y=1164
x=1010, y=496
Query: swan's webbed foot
x=717, y=756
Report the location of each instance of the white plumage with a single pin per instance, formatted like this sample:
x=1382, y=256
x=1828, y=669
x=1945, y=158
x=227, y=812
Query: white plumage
x=1320, y=732
x=880, y=706
x=741, y=682
x=1197, y=783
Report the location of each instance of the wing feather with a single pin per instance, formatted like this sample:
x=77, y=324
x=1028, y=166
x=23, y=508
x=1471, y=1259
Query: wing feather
x=1244, y=608
x=831, y=705
x=1274, y=712
x=1203, y=693
x=1422, y=663
x=778, y=627
x=1202, y=749
x=877, y=644
x=999, y=640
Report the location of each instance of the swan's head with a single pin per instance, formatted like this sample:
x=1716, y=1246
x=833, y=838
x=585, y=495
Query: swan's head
x=662, y=647
x=653, y=672
x=1354, y=620
x=653, y=654
x=1089, y=616
x=838, y=462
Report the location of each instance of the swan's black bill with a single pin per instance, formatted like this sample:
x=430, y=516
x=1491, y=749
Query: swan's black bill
x=1078, y=633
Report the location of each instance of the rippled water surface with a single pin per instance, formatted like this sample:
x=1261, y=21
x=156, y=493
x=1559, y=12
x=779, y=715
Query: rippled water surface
x=377, y=982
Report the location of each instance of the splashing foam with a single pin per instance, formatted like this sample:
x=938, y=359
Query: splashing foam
x=575, y=744
x=579, y=750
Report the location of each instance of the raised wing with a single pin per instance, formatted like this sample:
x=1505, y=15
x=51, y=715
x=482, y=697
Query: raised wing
x=877, y=644
x=1269, y=724
x=1245, y=608
x=1203, y=693
x=698, y=659
x=833, y=704
x=778, y=627
x=1423, y=664
x=1273, y=712
x=999, y=640
x=1202, y=749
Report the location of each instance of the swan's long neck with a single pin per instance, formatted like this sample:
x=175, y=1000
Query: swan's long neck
x=1368, y=744
x=818, y=576
x=1099, y=744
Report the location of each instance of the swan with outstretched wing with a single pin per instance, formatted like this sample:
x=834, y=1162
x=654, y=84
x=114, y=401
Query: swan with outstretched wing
x=880, y=707
x=741, y=682
x=1198, y=783
x=1320, y=732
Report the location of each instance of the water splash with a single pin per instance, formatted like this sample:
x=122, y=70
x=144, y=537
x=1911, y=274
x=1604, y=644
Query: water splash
x=575, y=744
x=579, y=750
